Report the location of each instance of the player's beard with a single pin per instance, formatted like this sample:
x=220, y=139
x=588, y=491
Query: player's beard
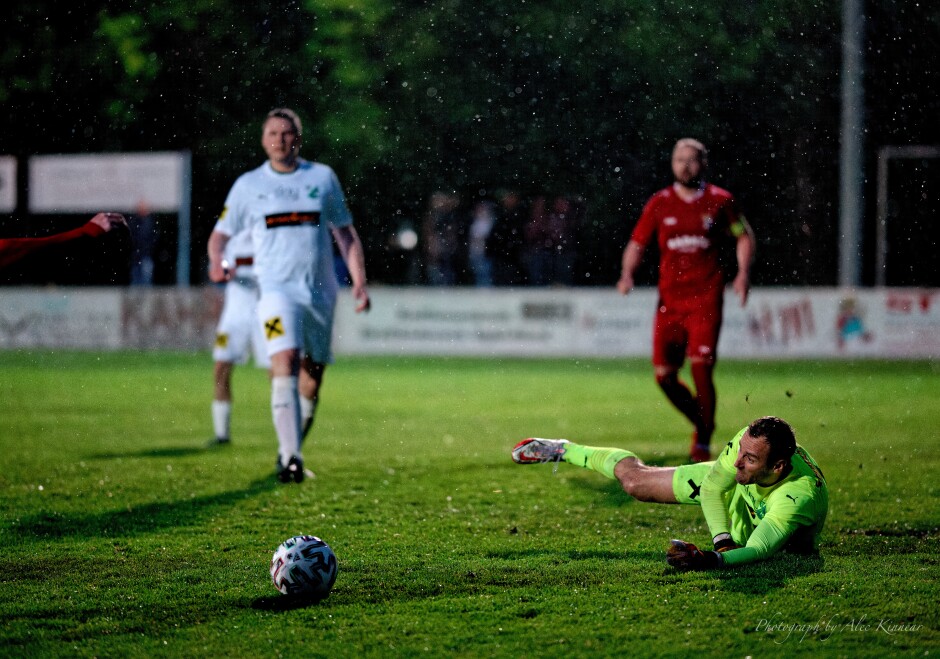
x=286, y=161
x=691, y=184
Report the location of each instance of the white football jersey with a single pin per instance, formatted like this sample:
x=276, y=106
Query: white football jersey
x=290, y=217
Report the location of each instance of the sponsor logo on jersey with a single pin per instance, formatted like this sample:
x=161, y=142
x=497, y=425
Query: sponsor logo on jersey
x=273, y=328
x=284, y=192
x=293, y=219
x=670, y=221
x=688, y=244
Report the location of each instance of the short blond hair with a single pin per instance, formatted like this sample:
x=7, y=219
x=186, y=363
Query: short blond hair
x=693, y=143
x=289, y=115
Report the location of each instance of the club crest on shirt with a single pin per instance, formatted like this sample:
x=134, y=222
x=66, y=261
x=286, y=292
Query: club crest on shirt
x=757, y=508
x=708, y=222
x=670, y=221
x=761, y=509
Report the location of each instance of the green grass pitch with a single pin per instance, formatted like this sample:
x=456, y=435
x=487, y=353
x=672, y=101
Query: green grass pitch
x=122, y=535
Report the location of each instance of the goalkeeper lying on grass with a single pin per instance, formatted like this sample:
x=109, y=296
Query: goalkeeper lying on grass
x=764, y=494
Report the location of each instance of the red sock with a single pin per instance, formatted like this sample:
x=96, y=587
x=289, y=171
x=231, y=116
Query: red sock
x=680, y=396
x=706, y=398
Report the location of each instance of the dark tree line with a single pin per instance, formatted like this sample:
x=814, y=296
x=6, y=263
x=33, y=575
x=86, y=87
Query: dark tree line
x=410, y=97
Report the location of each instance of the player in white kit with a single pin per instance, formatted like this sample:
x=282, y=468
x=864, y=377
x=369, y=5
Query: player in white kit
x=294, y=209
x=238, y=334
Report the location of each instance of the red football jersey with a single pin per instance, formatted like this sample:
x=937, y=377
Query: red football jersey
x=689, y=235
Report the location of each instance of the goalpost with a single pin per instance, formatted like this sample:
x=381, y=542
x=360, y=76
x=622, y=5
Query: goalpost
x=885, y=155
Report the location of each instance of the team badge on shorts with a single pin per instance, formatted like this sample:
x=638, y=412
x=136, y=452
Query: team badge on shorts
x=273, y=328
x=221, y=340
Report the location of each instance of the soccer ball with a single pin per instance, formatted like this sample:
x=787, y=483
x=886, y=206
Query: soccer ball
x=304, y=565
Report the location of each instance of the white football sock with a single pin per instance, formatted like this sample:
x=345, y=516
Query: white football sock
x=222, y=418
x=285, y=410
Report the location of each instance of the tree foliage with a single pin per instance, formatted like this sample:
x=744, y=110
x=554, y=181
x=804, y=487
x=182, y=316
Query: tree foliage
x=410, y=97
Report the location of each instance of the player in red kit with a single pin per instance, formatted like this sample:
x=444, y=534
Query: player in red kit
x=14, y=249
x=691, y=220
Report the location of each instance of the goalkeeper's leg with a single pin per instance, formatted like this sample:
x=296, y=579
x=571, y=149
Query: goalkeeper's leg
x=641, y=481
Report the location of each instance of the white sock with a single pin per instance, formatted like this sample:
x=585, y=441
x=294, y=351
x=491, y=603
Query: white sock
x=222, y=418
x=285, y=410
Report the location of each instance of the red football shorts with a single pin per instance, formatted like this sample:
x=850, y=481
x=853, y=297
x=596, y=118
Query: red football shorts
x=691, y=331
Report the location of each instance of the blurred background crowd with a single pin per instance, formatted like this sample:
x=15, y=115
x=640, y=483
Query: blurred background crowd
x=504, y=240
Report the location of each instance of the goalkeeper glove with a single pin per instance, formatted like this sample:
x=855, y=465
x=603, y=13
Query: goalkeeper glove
x=724, y=542
x=686, y=556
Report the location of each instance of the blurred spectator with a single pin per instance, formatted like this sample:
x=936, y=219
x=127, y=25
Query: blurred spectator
x=551, y=238
x=505, y=242
x=482, y=221
x=143, y=228
x=401, y=258
x=442, y=238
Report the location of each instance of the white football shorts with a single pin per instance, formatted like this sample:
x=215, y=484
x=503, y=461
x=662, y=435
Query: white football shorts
x=239, y=334
x=290, y=321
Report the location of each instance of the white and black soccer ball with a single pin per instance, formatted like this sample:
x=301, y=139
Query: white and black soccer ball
x=304, y=565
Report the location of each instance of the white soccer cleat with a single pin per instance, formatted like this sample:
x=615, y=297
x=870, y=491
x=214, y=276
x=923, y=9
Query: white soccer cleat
x=535, y=450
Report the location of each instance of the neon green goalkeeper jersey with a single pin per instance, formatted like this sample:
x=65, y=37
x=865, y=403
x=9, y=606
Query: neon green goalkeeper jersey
x=787, y=515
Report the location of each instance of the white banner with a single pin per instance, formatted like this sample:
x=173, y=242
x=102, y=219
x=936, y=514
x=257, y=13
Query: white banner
x=88, y=183
x=834, y=323
x=457, y=321
x=600, y=322
x=76, y=318
x=178, y=318
x=775, y=324
x=7, y=184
